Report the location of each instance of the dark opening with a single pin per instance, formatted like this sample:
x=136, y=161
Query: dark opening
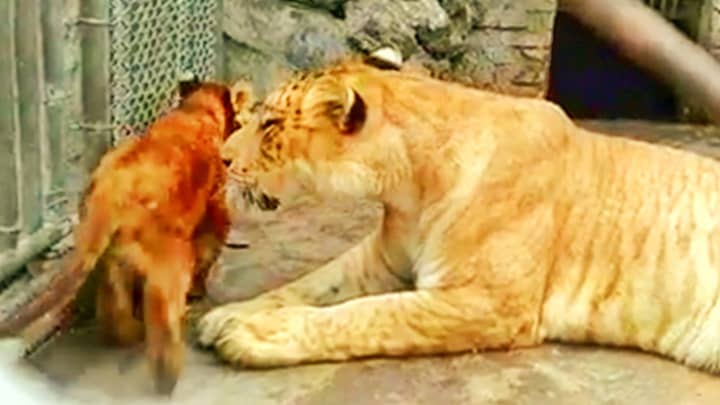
x=590, y=80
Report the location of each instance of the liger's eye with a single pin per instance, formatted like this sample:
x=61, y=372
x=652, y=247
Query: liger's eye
x=270, y=122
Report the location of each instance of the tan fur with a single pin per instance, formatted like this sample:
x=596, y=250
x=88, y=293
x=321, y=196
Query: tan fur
x=505, y=226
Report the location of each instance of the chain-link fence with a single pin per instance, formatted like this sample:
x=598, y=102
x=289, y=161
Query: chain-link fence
x=152, y=42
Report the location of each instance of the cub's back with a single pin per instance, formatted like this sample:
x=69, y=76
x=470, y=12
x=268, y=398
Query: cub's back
x=170, y=170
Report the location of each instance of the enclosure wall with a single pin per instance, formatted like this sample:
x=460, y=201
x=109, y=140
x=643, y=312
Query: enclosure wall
x=500, y=44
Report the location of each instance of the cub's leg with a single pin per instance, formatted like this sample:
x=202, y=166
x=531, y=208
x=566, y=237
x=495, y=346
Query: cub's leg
x=207, y=247
x=208, y=241
x=169, y=274
x=115, y=305
x=362, y=270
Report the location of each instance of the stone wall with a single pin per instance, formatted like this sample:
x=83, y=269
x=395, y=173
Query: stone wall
x=709, y=32
x=706, y=31
x=500, y=44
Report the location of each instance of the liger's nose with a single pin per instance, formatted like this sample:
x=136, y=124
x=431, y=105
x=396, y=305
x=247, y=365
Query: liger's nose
x=227, y=162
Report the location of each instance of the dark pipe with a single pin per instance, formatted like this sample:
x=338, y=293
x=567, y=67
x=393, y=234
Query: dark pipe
x=643, y=36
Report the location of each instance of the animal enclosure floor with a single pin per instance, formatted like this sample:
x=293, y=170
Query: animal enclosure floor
x=301, y=238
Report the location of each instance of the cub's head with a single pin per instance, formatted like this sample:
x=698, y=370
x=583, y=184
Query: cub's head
x=322, y=132
x=212, y=98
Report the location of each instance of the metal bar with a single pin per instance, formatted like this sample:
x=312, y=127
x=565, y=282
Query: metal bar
x=29, y=72
x=15, y=106
x=220, y=72
x=9, y=205
x=654, y=44
x=73, y=147
x=43, y=140
x=30, y=246
x=95, y=79
x=55, y=98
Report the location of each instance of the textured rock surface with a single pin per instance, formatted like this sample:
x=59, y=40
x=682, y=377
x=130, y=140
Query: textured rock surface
x=709, y=35
x=501, y=44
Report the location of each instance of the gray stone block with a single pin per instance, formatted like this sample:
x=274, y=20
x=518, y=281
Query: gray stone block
x=499, y=44
x=375, y=23
x=277, y=28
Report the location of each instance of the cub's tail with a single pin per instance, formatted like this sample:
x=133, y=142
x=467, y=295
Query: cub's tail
x=92, y=237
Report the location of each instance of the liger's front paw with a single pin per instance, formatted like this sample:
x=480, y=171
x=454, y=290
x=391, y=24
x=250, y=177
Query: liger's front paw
x=258, y=343
x=272, y=338
x=211, y=325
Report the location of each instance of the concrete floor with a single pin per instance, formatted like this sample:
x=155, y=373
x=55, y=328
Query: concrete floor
x=74, y=369
x=88, y=373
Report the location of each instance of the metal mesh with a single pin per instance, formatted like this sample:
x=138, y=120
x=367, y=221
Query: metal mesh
x=152, y=43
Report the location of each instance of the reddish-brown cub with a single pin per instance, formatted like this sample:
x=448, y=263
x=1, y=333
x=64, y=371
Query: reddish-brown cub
x=153, y=220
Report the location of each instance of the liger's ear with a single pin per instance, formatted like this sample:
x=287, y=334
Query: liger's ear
x=349, y=111
x=338, y=102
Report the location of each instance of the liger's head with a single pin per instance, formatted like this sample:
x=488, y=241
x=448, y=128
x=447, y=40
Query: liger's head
x=322, y=131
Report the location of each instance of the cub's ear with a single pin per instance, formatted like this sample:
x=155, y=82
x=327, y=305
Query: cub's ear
x=243, y=102
x=242, y=96
x=188, y=84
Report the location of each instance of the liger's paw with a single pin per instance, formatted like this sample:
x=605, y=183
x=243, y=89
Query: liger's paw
x=261, y=341
x=211, y=325
x=273, y=338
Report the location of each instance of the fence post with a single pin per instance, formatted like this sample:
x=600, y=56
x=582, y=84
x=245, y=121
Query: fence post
x=9, y=205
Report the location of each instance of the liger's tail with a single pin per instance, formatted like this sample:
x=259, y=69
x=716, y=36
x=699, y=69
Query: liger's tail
x=93, y=236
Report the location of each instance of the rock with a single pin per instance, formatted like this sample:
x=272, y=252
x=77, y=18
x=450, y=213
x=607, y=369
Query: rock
x=376, y=23
x=243, y=61
x=299, y=36
x=334, y=7
x=313, y=46
x=498, y=44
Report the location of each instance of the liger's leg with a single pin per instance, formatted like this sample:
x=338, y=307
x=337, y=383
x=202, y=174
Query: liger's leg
x=362, y=270
x=395, y=324
x=488, y=296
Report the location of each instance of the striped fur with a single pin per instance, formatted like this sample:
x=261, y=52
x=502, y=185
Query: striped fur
x=505, y=226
